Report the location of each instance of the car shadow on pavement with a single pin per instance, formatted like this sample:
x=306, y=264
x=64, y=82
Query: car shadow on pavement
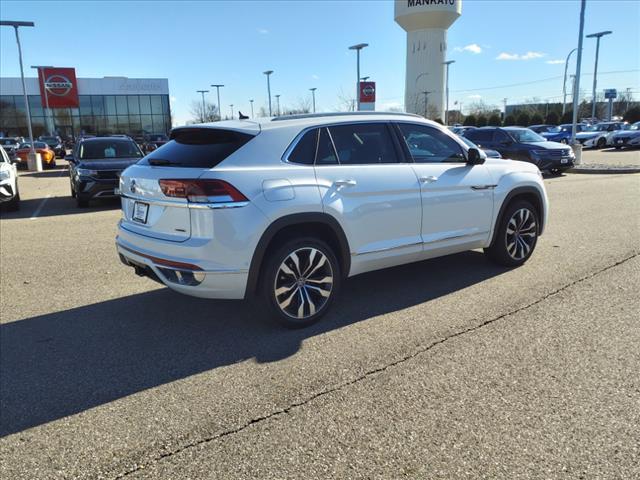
x=56, y=206
x=63, y=363
x=52, y=173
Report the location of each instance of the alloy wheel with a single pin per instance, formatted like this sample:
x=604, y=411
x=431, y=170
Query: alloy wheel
x=303, y=283
x=521, y=233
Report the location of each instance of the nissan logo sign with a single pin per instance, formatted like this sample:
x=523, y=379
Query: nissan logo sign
x=58, y=85
x=368, y=90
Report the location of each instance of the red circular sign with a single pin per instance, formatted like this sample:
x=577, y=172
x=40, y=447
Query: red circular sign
x=58, y=85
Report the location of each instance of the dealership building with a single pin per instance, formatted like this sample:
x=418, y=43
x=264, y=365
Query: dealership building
x=68, y=106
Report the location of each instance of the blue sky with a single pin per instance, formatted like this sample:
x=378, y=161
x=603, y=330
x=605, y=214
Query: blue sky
x=194, y=44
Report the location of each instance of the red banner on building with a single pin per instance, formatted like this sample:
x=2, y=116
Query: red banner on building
x=58, y=87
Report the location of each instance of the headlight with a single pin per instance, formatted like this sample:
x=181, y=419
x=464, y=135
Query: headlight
x=4, y=174
x=83, y=172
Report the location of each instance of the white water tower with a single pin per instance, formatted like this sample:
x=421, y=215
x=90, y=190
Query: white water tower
x=426, y=23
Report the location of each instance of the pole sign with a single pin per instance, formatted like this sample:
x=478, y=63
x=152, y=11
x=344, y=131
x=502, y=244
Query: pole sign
x=367, y=95
x=58, y=87
x=610, y=93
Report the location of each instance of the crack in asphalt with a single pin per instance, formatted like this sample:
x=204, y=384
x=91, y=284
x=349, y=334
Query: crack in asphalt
x=370, y=373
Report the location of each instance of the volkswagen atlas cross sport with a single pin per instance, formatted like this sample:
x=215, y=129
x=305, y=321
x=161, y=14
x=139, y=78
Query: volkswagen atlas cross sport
x=284, y=209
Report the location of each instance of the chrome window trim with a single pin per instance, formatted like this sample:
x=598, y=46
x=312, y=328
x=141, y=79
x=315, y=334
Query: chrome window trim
x=194, y=206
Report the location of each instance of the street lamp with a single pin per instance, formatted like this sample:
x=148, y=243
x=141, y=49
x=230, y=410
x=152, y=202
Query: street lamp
x=576, y=83
x=595, y=70
x=357, y=48
x=203, y=106
x=564, y=82
x=219, y=106
x=313, y=95
x=33, y=160
x=231, y=111
x=446, y=111
x=268, y=74
x=251, y=102
x=277, y=104
x=364, y=79
x=40, y=68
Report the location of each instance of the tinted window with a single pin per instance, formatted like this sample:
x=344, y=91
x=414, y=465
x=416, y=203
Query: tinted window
x=305, y=150
x=108, y=148
x=326, y=153
x=524, y=135
x=479, y=135
x=363, y=144
x=197, y=148
x=428, y=145
x=501, y=137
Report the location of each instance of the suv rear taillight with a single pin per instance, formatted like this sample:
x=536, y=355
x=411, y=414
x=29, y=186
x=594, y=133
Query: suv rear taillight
x=202, y=191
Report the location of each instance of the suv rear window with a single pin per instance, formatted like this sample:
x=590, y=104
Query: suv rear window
x=197, y=148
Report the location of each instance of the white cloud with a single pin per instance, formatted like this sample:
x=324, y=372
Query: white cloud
x=472, y=47
x=555, y=62
x=516, y=56
x=474, y=97
x=263, y=31
x=315, y=77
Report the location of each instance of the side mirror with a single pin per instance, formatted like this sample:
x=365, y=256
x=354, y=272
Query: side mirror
x=474, y=157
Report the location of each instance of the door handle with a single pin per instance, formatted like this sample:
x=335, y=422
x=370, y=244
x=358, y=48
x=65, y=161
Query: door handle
x=429, y=179
x=345, y=183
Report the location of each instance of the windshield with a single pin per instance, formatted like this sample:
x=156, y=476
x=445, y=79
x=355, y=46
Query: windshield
x=601, y=127
x=106, y=149
x=35, y=144
x=524, y=135
x=9, y=141
x=635, y=126
x=49, y=139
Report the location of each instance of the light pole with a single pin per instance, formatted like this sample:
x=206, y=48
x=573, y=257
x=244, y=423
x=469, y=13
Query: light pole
x=277, y=104
x=446, y=111
x=203, y=106
x=505, y=109
x=357, y=48
x=40, y=68
x=36, y=161
x=251, y=102
x=219, y=106
x=313, y=96
x=564, y=82
x=576, y=83
x=364, y=79
x=268, y=74
x=597, y=36
x=231, y=111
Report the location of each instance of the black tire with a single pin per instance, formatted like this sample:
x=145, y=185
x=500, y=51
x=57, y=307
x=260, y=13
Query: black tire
x=81, y=202
x=306, y=290
x=13, y=205
x=618, y=148
x=602, y=142
x=509, y=253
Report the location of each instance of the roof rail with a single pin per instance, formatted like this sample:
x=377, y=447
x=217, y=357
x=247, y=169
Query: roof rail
x=340, y=114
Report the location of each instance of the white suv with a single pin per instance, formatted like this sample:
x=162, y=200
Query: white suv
x=286, y=208
x=9, y=194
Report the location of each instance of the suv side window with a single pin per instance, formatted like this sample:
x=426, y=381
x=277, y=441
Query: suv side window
x=363, y=144
x=480, y=135
x=429, y=145
x=501, y=137
x=326, y=153
x=305, y=150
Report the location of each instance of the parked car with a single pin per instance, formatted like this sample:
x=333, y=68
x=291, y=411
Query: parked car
x=541, y=128
x=287, y=208
x=488, y=152
x=628, y=138
x=95, y=166
x=461, y=130
x=595, y=136
x=11, y=145
x=55, y=144
x=517, y=143
x=562, y=133
x=9, y=193
x=154, y=141
x=46, y=154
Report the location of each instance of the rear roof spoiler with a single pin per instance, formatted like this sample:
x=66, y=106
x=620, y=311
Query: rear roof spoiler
x=240, y=126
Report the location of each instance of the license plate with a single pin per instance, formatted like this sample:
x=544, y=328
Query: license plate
x=140, y=211
x=564, y=160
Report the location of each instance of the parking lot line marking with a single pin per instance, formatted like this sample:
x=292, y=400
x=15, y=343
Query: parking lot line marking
x=39, y=209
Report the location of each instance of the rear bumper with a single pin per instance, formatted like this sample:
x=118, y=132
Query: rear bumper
x=181, y=275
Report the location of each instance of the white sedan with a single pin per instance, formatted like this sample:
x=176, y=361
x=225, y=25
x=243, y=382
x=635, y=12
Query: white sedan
x=9, y=194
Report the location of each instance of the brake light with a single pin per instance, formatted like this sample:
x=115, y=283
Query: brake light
x=202, y=191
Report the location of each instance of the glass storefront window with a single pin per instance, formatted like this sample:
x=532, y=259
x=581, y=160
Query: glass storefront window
x=85, y=105
x=121, y=105
x=135, y=124
x=134, y=106
x=158, y=124
x=156, y=104
x=165, y=104
x=35, y=106
x=147, y=124
x=110, y=105
x=97, y=103
x=145, y=105
x=123, y=123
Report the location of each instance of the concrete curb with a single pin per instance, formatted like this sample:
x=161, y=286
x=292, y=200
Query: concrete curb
x=603, y=170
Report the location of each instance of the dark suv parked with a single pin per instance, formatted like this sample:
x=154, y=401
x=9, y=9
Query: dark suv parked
x=96, y=164
x=517, y=143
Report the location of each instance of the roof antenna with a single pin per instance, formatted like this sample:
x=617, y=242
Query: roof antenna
x=241, y=116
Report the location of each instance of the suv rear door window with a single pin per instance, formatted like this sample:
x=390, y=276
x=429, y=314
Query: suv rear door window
x=326, y=154
x=429, y=145
x=363, y=143
x=305, y=150
x=197, y=148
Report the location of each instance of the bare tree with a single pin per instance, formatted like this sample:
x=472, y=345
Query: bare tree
x=204, y=113
x=346, y=102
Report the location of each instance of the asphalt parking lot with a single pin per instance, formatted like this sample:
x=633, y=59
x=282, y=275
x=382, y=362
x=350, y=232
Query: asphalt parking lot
x=449, y=368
